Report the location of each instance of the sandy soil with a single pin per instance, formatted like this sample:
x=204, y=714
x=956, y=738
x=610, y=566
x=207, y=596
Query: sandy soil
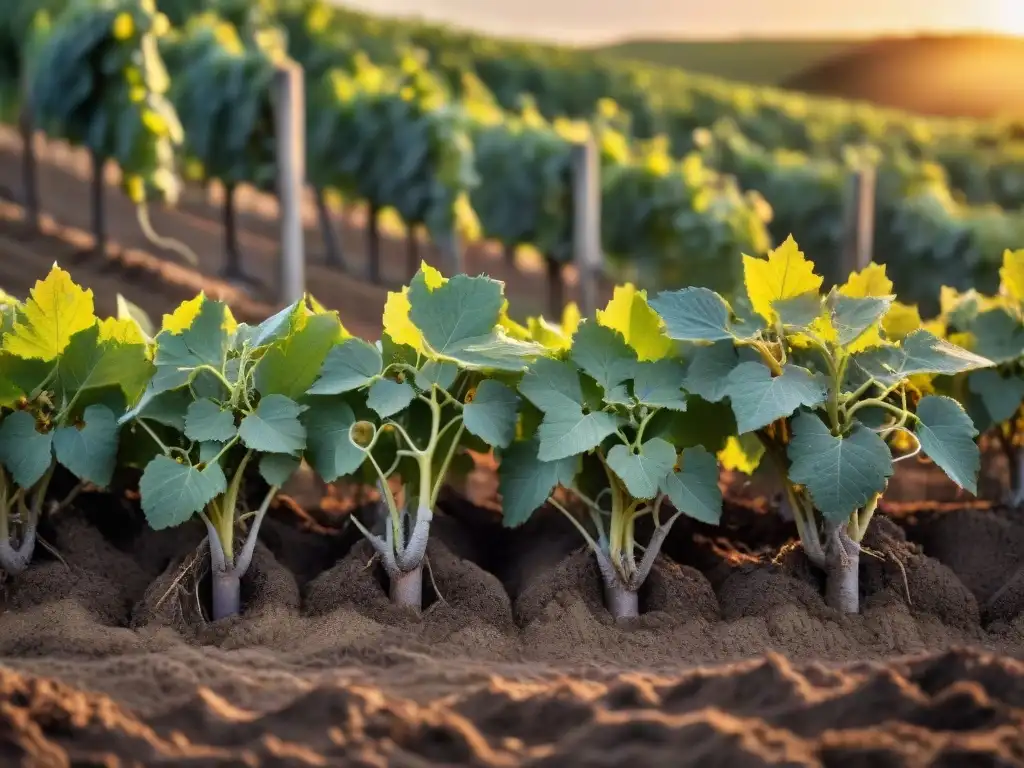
x=106, y=657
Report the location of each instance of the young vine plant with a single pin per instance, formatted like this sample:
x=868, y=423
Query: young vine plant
x=815, y=378
x=441, y=380
x=65, y=376
x=607, y=409
x=227, y=402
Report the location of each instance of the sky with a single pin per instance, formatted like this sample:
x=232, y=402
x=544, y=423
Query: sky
x=591, y=21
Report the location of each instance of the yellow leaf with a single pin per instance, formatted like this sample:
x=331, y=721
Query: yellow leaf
x=397, y=324
x=124, y=330
x=512, y=328
x=785, y=274
x=870, y=281
x=923, y=382
x=936, y=327
x=571, y=319
x=629, y=314
x=181, y=319
x=547, y=334
x=900, y=321
x=56, y=310
x=963, y=340
x=1011, y=274
x=737, y=459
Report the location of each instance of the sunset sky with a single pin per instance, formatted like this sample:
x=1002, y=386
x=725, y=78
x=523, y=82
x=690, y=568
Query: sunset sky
x=582, y=21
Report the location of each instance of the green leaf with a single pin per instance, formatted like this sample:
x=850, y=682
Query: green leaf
x=206, y=421
x=89, y=451
x=1001, y=395
x=291, y=366
x=330, y=451
x=999, y=335
x=758, y=398
x=693, y=488
x=920, y=352
x=388, y=397
x=853, y=316
x=947, y=436
x=603, y=355
x=276, y=326
x=204, y=342
x=696, y=314
x=87, y=363
x=24, y=450
x=462, y=309
x=492, y=414
x=708, y=373
x=440, y=372
x=172, y=492
x=10, y=392
x=659, y=384
x=350, y=365
x=167, y=408
x=841, y=473
x=525, y=482
x=552, y=385
x=277, y=468
x=644, y=470
x=568, y=431
x=798, y=312
x=274, y=426
x=128, y=311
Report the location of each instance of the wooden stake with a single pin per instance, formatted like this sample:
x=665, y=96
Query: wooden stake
x=587, y=254
x=290, y=118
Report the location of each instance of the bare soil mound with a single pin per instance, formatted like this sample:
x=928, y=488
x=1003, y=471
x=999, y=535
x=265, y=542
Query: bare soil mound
x=514, y=661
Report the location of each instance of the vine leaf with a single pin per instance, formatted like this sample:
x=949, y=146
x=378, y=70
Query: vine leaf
x=274, y=426
x=352, y=364
x=89, y=451
x=693, y=487
x=947, y=436
x=525, y=482
x=24, y=450
x=841, y=473
x=758, y=398
x=492, y=414
x=205, y=421
x=172, y=492
x=644, y=469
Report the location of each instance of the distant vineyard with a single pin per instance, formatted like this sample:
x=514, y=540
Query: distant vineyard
x=461, y=134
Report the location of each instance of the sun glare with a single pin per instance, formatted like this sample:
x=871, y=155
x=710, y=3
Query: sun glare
x=1006, y=16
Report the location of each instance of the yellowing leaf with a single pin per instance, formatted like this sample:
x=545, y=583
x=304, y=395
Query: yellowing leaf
x=181, y=318
x=964, y=340
x=936, y=327
x=548, y=335
x=56, y=310
x=397, y=324
x=571, y=319
x=785, y=274
x=949, y=298
x=629, y=314
x=735, y=458
x=870, y=281
x=923, y=383
x=512, y=328
x=1011, y=274
x=124, y=330
x=900, y=321
x=432, y=277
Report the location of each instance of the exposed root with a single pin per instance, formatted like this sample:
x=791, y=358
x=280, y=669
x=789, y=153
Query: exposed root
x=440, y=597
x=890, y=553
x=52, y=550
x=788, y=547
x=184, y=571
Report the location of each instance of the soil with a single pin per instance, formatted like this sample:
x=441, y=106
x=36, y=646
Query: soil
x=107, y=657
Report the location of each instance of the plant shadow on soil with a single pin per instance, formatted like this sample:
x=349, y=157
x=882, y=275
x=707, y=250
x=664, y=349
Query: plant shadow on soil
x=119, y=613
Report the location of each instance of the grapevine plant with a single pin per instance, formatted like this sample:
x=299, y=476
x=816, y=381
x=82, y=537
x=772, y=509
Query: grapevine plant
x=65, y=375
x=227, y=402
x=993, y=326
x=608, y=406
x=442, y=379
x=818, y=382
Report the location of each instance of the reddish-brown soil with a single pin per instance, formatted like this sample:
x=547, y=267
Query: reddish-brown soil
x=107, y=658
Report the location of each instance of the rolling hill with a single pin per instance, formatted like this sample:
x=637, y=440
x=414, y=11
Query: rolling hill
x=961, y=75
